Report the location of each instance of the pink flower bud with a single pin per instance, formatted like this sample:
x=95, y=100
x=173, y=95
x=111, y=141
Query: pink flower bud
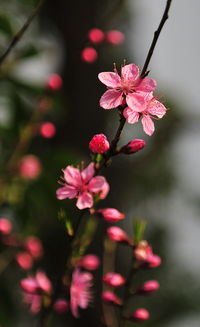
x=29, y=285
x=30, y=167
x=117, y=234
x=115, y=37
x=54, y=82
x=114, y=279
x=34, y=246
x=5, y=226
x=90, y=262
x=111, y=214
x=104, y=191
x=110, y=298
x=96, y=35
x=47, y=130
x=154, y=261
x=140, y=314
x=149, y=286
x=89, y=55
x=133, y=146
x=61, y=306
x=99, y=143
x=143, y=251
x=43, y=282
x=24, y=260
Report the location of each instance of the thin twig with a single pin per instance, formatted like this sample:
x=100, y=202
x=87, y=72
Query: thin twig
x=21, y=32
x=155, y=38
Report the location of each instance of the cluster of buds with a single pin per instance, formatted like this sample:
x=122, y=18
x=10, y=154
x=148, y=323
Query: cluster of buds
x=96, y=36
x=33, y=250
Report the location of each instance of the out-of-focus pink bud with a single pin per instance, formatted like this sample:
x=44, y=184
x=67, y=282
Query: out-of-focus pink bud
x=117, y=234
x=61, y=306
x=99, y=143
x=24, y=260
x=110, y=298
x=96, y=35
x=154, y=261
x=104, y=191
x=89, y=55
x=115, y=37
x=29, y=285
x=30, y=167
x=149, y=286
x=5, y=226
x=111, y=214
x=90, y=262
x=34, y=300
x=143, y=251
x=34, y=246
x=140, y=314
x=54, y=82
x=133, y=146
x=47, y=130
x=43, y=282
x=114, y=279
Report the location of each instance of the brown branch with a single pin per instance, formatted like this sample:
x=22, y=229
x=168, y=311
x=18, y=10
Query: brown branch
x=21, y=32
x=155, y=38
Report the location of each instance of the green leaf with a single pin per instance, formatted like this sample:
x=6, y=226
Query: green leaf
x=139, y=228
x=5, y=25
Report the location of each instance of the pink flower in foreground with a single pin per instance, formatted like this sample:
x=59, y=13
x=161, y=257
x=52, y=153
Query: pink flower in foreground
x=5, y=226
x=110, y=298
x=111, y=214
x=114, y=279
x=90, y=262
x=81, y=185
x=125, y=87
x=96, y=35
x=30, y=167
x=80, y=294
x=133, y=146
x=34, y=246
x=99, y=143
x=147, y=106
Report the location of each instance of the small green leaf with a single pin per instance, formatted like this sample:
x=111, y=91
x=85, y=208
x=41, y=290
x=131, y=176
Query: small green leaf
x=139, y=228
x=68, y=225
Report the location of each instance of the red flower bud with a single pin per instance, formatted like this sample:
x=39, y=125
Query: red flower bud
x=149, y=286
x=133, y=146
x=111, y=214
x=154, y=261
x=99, y=143
x=111, y=298
x=140, y=315
x=90, y=262
x=114, y=279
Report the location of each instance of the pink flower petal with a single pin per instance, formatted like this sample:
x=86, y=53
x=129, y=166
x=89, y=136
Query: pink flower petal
x=130, y=72
x=104, y=191
x=85, y=200
x=110, y=79
x=131, y=115
x=72, y=176
x=136, y=101
x=66, y=192
x=156, y=108
x=88, y=173
x=96, y=184
x=111, y=99
x=148, y=125
x=146, y=85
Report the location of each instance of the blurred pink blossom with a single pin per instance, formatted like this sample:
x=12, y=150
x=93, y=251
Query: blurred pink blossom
x=54, y=82
x=24, y=260
x=115, y=37
x=149, y=286
x=140, y=314
x=96, y=35
x=30, y=167
x=5, y=226
x=89, y=55
x=61, y=306
x=34, y=246
x=117, y=234
x=114, y=279
x=47, y=130
x=111, y=214
x=110, y=298
x=90, y=262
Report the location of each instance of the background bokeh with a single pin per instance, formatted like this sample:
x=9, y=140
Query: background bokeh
x=160, y=184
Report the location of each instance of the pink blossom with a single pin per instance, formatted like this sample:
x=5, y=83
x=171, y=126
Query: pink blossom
x=43, y=281
x=143, y=251
x=29, y=285
x=81, y=185
x=5, y=226
x=99, y=143
x=125, y=87
x=30, y=167
x=61, y=306
x=104, y=191
x=34, y=300
x=111, y=214
x=117, y=234
x=89, y=55
x=80, y=294
x=140, y=314
x=47, y=130
x=114, y=279
x=115, y=37
x=34, y=246
x=110, y=298
x=154, y=261
x=146, y=106
x=133, y=146
x=54, y=82
x=24, y=260
x=149, y=286
x=90, y=262
x=96, y=35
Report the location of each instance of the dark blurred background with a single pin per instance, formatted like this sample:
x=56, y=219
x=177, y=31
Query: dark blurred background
x=159, y=184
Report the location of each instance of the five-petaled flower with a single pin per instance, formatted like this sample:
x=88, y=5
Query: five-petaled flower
x=81, y=185
x=125, y=87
